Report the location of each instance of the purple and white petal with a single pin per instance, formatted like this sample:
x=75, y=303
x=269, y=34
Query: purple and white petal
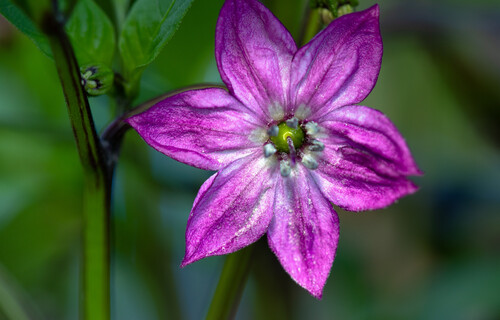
x=233, y=208
x=365, y=162
x=304, y=231
x=254, y=52
x=205, y=128
x=339, y=66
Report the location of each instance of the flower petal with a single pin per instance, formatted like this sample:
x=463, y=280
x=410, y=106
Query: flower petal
x=366, y=161
x=233, y=208
x=205, y=128
x=304, y=231
x=340, y=65
x=253, y=52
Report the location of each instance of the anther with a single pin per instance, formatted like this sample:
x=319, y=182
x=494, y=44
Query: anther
x=269, y=150
x=285, y=168
x=92, y=84
x=311, y=128
x=88, y=73
x=273, y=131
x=316, y=145
x=309, y=162
x=293, y=123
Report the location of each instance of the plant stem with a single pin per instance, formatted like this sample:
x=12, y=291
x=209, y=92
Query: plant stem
x=311, y=25
x=97, y=189
x=231, y=284
x=95, y=303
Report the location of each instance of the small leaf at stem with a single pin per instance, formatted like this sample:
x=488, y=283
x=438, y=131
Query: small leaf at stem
x=145, y=32
x=92, y=34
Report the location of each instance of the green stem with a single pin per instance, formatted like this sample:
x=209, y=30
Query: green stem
x=311, y=25
x=231, y=284
x=96, y=282
x=95, y=266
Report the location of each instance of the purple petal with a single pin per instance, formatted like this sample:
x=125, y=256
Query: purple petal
x=366, y=161
x=233, y=208
x=340, y=65
x=253, y=52
x=205, y=128
x=304, y=231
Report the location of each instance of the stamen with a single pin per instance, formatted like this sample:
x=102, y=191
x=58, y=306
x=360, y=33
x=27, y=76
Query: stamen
x=88, y=74
x=269, y=150
x=285, y=168
x=311, y=128
x=273, y=131
x=293, y=123
x=92, y=84
x=316, y=145
x=291, y=147
x=309, y=162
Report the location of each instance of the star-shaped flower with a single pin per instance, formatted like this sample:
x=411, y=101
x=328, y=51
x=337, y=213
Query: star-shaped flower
x=287, y=139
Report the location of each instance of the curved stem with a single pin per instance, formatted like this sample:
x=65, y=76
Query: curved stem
x=231, y=284
x=115, y=131
x=97, y=188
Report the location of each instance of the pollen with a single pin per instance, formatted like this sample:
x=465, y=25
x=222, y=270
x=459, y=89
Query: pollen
x=285, y=132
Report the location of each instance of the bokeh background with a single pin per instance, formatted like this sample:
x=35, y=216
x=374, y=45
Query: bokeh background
x=432, y=255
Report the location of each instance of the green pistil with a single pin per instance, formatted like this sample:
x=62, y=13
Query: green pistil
x=280, y=141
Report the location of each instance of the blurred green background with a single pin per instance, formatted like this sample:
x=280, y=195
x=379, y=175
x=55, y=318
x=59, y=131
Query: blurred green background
x=432, y=255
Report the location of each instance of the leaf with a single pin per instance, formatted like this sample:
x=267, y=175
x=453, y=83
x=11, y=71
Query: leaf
x=146, y=31
x=19, y=19
x=92, y=34
x=36, y=10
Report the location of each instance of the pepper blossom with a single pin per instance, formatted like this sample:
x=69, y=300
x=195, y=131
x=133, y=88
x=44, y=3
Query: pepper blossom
x=286, y=139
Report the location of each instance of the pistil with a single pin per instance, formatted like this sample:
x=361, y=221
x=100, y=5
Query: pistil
x=296, y=134
x=293, y=153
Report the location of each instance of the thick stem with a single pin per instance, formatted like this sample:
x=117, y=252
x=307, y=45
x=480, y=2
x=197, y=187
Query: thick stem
x=95, y=266
x=231, y=284
x=95, y=294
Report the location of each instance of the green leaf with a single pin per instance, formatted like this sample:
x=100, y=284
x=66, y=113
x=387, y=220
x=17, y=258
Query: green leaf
x=146, y=31
x=19, y=19
x=36, y=10
x=92, y=34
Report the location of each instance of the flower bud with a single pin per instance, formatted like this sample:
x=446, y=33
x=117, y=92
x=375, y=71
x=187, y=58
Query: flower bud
x=326, y=16
x=96, y=79
x=344, y=9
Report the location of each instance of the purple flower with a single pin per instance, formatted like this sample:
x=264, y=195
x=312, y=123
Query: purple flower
x=287, y=139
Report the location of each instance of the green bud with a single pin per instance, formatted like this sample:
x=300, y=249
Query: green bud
x=344, y=9
x=326, y=16
x=97, y=79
